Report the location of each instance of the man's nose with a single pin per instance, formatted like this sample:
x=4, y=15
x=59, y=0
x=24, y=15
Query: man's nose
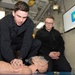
x=21, y=19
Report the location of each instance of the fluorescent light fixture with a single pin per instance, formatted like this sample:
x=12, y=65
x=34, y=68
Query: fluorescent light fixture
x=2, y=14
x=40, y=25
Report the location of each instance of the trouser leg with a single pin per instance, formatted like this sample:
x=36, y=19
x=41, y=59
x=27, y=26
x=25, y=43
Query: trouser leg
x=36, y=44
x=63, y=65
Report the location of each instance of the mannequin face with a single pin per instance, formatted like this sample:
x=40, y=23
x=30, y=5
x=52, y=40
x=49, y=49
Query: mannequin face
x=40, y=63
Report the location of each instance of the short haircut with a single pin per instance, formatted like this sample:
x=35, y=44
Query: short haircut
x=21, y=5
x=50, y=16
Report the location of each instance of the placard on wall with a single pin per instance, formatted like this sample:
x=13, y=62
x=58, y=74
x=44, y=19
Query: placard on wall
x=69, y=19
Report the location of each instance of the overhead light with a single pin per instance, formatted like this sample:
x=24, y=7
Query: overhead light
x=2, y=14
x=55, y=7
x=31, y=2
x=40, y=25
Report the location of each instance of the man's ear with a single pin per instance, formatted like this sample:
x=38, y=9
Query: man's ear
x=53, y=24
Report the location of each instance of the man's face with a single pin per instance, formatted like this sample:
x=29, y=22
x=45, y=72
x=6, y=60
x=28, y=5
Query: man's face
x=49, y=23
x=20, y=17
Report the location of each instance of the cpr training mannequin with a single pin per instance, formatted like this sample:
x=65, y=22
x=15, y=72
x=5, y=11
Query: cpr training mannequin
x=37, y=63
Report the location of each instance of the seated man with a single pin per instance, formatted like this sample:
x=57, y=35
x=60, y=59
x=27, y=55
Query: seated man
x=52, y=46
x=37, y=63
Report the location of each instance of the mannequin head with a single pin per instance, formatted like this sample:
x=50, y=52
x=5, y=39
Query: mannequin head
x=40, y=63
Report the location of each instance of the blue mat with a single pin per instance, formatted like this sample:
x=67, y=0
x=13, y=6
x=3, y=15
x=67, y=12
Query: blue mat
x=56, y=73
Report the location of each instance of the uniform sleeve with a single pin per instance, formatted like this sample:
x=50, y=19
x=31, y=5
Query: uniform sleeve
x=61, y=44
x=37, y=36
x=6, y=50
